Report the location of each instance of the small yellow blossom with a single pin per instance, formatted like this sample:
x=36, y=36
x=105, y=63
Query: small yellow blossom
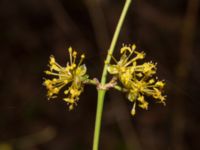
x=138, y=80
x=62, y=76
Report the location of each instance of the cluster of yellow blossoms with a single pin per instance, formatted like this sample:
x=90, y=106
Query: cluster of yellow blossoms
x=62, y=76
x=137, y=80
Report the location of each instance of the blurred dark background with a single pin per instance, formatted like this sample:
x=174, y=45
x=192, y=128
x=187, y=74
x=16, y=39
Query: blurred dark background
x=31, y=30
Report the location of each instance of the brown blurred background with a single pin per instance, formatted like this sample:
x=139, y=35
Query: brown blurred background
x=31, y=30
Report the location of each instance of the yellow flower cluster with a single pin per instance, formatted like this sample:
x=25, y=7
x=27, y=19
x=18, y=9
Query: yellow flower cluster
x=62, y=76
x=137, y=80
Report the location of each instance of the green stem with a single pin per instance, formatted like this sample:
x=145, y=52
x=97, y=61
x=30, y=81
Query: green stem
x=101, y=92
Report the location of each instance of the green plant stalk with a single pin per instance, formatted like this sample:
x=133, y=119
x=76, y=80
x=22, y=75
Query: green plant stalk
x=102, y=92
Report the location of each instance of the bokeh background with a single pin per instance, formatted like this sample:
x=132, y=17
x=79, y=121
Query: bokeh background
x=31, y=30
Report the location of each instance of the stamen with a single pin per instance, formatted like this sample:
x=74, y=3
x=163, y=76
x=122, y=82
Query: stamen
x=52, y=60
x=52, y=73
x=128, y=56
x=133, y=111
x=74, y=57
x=81, y=60
x=133, y=47
x=70, y=54
x=132, y=60
x=114, y=59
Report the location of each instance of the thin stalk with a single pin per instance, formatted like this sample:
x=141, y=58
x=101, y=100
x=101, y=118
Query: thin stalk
x=101, y=92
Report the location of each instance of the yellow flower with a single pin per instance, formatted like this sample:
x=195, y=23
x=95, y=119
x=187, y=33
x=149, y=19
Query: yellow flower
x=147, y=68
x=137, y=79
x=62, y=76
x=143, y=104
x=124, y=61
